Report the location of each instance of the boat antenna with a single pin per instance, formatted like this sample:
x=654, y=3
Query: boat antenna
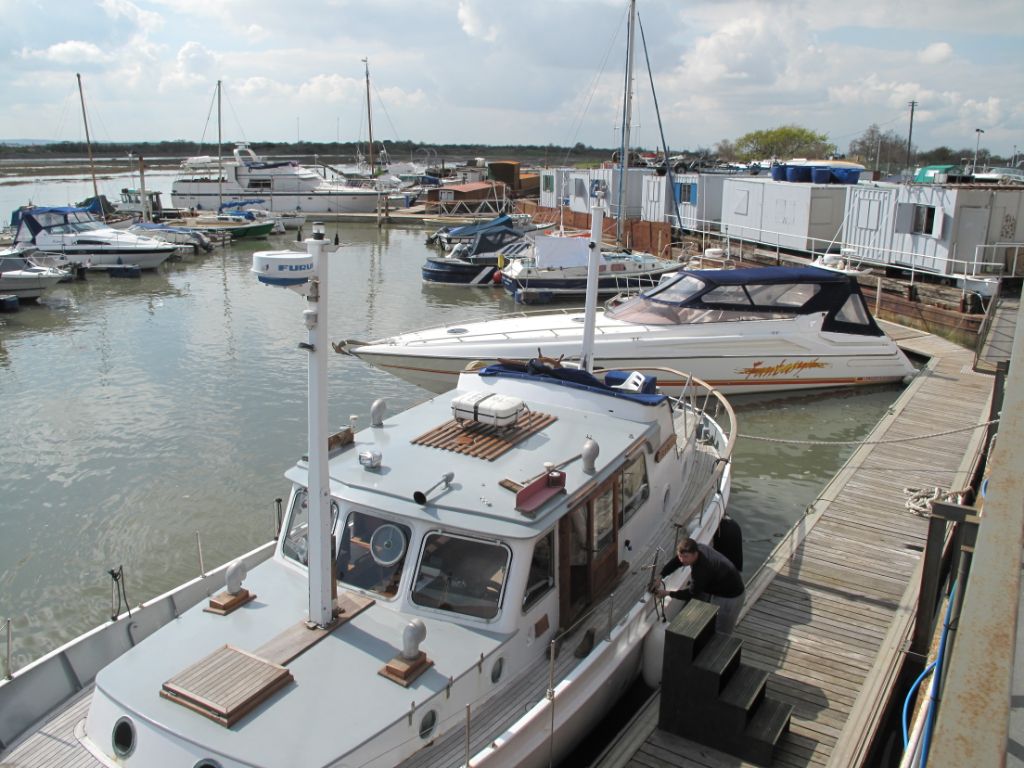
x=627, y=108
x=661, y=129
x=88, y=144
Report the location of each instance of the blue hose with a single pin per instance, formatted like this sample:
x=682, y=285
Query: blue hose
x=929, y=722
x=910, y=696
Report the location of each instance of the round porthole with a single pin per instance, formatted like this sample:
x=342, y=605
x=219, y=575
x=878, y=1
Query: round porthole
x=497, y=669
x=123, y=737
x=207, y=763
x=427, y=724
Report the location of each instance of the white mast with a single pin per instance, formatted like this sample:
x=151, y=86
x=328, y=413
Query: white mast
x=369, y=117
x=220, y=160
x=593, y=275
x=627, y=109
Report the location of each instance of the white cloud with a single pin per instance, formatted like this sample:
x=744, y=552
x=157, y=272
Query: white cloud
x=472, y=23
x=194, y=64
x=936, y=53
x=147, y=21
x=68, y=52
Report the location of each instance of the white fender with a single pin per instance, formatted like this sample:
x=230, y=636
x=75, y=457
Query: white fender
x=653, y=652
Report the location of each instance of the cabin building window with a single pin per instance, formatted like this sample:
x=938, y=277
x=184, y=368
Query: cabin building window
x=460, y=575
x=635, y=488
x=579, y=188
x=548, y=183
x=259, y=183
x=296, y=541
x=924, y=219
x=685, y=192
x=542, y=571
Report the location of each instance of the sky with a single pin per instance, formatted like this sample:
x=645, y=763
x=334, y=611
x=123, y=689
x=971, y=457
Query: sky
x=513, y=71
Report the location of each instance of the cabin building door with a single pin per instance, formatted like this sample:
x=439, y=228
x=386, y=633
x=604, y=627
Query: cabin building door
x=588, y=546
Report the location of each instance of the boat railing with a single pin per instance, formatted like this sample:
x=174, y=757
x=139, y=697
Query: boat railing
x=30, y=693
x=476, y=726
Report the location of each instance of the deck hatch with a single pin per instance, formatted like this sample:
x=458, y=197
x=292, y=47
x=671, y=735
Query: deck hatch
x=483, y=441
x=226, y=685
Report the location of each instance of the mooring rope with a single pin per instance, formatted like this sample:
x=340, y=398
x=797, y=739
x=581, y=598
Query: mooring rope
x=870, y=442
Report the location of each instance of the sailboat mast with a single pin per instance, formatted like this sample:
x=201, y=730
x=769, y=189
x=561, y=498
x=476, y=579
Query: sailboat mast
x=220, y=157
x=369, y=115
x=88, y=144
x=627, y=109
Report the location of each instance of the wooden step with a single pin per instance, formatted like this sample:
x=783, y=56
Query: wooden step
x=741, y=696
x=714, y=666
x=768, y=724
x=690, y=631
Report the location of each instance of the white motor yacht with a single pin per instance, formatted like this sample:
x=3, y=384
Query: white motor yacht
x=284, y=186
x=760, y=329
x=466, y=582
x=73, y=236
x=20, y=276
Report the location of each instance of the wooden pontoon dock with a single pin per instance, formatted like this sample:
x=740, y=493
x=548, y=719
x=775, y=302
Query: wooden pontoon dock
x=831, y=613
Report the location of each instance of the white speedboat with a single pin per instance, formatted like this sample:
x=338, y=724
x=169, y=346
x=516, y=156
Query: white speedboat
x=741, y=330
x=283, y=186
x=555, y=267
x=465, y=582
x=22, y=277
x=73, y=236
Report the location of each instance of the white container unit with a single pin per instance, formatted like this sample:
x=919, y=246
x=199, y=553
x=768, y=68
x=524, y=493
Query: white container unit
x=950, y=230
x=554, y=187
x=699, y=197
x=585, y=185
x=791, y=215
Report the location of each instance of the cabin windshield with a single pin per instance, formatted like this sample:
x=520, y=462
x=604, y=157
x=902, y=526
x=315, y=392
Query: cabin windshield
x=371, y=553
x=461, y=575
x=371, y=550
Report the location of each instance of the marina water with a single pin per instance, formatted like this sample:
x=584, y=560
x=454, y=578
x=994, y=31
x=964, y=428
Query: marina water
x=138, y=413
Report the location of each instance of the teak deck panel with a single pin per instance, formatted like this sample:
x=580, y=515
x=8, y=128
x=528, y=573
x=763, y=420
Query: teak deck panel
x=829, y=613
x=483, y=440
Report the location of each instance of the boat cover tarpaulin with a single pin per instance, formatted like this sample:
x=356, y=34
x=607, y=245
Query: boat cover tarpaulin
x=553, y=252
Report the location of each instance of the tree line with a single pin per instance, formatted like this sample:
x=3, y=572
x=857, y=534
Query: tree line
x=885, y=151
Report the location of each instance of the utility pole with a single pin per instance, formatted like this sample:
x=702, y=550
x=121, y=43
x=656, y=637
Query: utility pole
x=977, y=143
x=910, y=133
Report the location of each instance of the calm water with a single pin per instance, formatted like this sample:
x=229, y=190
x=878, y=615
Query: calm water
x=138, y=412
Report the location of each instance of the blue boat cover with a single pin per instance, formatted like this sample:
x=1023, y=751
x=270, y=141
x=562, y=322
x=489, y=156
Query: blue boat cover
x=574, y=378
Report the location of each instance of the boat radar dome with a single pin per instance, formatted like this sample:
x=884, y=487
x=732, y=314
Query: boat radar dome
x=286, y=269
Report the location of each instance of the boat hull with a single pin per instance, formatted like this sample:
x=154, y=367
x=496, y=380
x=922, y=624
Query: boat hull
x=207, y=198
x=772, y=360
x=458, y=272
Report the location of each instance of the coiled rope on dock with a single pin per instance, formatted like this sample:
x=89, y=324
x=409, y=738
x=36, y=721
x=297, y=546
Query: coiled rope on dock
x=870, y=442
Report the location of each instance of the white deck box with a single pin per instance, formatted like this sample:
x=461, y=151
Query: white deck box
x=488, y=408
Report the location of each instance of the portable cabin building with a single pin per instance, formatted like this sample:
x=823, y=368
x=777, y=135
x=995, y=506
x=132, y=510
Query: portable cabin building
x=585, y=185
x=698, y=198
x=793, y=215
x=942, y=229
x=554, y=186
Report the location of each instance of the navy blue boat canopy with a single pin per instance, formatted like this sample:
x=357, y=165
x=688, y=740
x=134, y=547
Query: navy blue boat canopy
x=755, y=293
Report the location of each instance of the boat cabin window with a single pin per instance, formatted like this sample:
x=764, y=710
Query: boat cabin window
x=461, y=575
x=728, y=294
x=371, y=553
x=296, y=541
x=854, y=311
x=542, y=571
x=785, y=295
x=635, y=488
